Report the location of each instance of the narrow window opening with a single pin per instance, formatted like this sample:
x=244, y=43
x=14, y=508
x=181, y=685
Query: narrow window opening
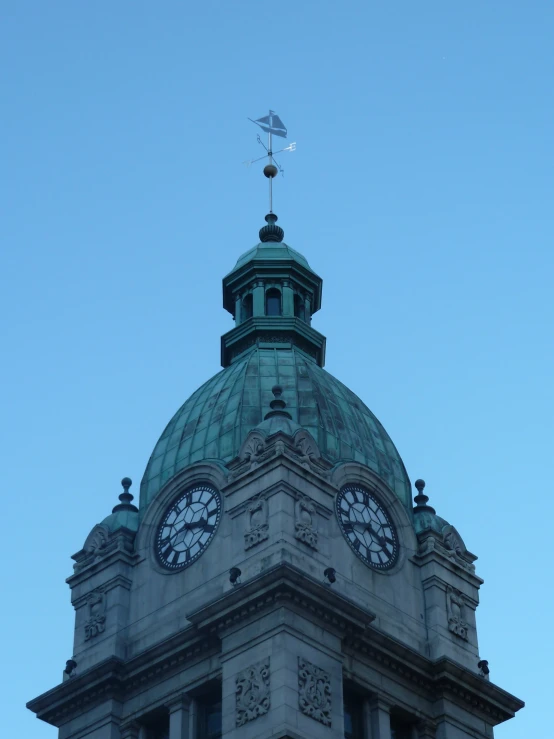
x=247, y=307
x=157, y=724
x=273, y=302
x=353, y=713
x=400, y=728
x=209, y=715
x=299, y=307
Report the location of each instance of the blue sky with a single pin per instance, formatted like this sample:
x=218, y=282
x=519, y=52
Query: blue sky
x=421, y=190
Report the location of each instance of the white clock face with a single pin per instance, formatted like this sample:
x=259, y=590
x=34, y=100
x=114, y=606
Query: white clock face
x=367, y=527
x=188, y=526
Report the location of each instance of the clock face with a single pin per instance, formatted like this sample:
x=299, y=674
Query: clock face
x=188, y=526
x=367, y=527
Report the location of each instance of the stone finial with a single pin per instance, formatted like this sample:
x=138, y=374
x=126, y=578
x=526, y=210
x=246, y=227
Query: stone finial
x=421, y=499
x=126, y=498
x=277, y=405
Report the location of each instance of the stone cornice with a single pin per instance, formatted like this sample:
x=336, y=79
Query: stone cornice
x=463, y=686
x=103, y=681
x=437, y=679
x=114, y=582
x=281, y=486
x=283, y=584
x=432, y=549
x=101, y=560
x=114, y=678
x=280, y=586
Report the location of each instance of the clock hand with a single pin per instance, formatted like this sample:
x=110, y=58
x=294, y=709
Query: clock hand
x=194, y=525
x=368, y=526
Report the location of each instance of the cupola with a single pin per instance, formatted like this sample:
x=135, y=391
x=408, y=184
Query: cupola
x=272, y=293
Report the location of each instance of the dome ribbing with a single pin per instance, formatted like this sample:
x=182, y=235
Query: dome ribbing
x=215, y=420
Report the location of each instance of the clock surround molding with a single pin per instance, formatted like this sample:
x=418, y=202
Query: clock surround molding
x=211, y=474
x=354, y=473
x=180, y=520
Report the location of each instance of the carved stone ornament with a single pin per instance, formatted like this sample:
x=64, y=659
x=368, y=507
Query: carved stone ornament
x=253, y=697
x=455, y=607
x=96, y=622
x=305, y=522
x=457, y=550
x=314, y=691
x=448, y=547
x=97, y=539
x=453, y=541
x=253, y=452
x=306, y=446
x=258, y=527
x=306, y=451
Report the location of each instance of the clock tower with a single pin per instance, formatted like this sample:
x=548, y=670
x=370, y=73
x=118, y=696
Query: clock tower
x=277, y=578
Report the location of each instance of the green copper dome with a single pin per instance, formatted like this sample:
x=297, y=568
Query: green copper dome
x=271, y=251
x=215, y=420
x=122, y=520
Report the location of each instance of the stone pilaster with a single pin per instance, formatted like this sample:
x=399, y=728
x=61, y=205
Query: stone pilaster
x=425, y=730
x=179, y=718
x=132, y=730
x=380, y=719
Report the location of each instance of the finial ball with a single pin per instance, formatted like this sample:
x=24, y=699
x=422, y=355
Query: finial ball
x=277, y=391
x=420, y=485
x=126, y=483
x=270, y=171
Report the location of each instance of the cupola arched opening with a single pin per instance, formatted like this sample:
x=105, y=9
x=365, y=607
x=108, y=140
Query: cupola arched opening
x=299, y=307
x=273, y=302
x=247, y=307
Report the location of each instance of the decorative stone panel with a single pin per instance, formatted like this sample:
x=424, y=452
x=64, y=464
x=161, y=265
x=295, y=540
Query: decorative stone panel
x=258, y=527
x=96, y=622
x=314, y=691
x=252, y=691
x=455, y=607
x=305, y=528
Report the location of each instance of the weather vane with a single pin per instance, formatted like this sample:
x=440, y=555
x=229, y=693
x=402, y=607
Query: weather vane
x=273, y=126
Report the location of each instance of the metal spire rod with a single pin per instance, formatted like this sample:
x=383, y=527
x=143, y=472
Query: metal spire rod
x=270, y=162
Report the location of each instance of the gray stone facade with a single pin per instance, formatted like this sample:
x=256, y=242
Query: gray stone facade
x=283, y=646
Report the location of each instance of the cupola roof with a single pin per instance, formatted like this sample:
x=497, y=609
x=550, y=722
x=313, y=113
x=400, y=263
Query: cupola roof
x=215, y=420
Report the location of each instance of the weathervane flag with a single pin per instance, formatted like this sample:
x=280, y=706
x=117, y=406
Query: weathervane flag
x=271, y=124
